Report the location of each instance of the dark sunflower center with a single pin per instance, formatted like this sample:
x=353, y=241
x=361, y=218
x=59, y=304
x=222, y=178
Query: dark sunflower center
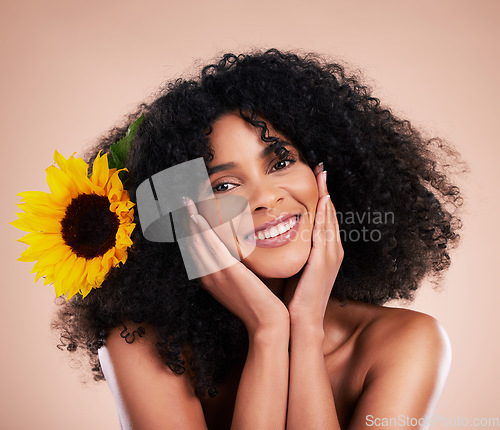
x=89, y=227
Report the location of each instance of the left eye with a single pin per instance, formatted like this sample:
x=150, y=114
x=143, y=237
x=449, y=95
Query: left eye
x=282, y=164
x=227, y=186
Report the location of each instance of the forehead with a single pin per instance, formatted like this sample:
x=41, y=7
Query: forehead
x=233, y=137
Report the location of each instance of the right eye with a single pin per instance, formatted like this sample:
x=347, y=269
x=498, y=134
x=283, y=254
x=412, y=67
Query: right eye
x=222, y=187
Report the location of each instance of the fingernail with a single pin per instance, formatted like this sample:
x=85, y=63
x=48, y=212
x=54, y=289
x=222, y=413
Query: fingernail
x=187, y=201
x=321, y=166
x=193, y=217
x=324, y=175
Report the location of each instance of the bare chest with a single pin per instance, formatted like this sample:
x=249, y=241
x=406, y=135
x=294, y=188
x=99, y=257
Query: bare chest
x=346, y=379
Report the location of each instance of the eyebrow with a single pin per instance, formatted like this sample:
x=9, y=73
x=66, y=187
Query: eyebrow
x=264, y=153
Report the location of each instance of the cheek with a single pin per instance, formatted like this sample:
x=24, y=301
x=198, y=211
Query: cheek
x=229, y=216
x=304, y=188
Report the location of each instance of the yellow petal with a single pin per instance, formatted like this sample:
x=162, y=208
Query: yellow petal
x=114, y=195
x=96, y=189
x=100, y=171
x=47, y=272
x=31, y=223
x=121, y=255
x=77, y=170
x=78, y=281
x=59, y=289
x=53, y=256
x=107, y=260
x=43, y=210
x=44, y=267
x=37, y=198
x=79, y=166
x=64, y=273
x=60, y=160
x=93, y=270
x=42, y=240
x=61, y=186
x=85, y=290
x=115, y=186
x=44, y=251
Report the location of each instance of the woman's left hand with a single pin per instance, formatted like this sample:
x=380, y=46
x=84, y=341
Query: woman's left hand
x=312, y=286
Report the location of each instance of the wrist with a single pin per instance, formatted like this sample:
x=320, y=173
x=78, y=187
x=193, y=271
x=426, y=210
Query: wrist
x=308, y=327
x=269, y=326
x=308, y=339
x=276, y=335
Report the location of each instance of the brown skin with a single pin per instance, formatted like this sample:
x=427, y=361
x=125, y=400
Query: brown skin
x=313, y=363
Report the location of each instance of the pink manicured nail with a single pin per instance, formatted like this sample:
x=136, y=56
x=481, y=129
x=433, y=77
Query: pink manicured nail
x=193, y=217
x=321, y=166
x=324, y=175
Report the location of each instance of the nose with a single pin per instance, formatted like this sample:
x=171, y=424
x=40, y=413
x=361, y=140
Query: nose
x=265, y=196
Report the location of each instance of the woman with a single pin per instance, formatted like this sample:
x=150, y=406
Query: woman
x=351, y=209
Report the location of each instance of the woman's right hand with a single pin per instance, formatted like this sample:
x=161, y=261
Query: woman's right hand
x=236, y=287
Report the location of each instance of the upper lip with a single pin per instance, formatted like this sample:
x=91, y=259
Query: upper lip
x=272, y=223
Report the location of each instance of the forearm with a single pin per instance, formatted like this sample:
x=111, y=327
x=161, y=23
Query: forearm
x=310, y=404
x=261, y=400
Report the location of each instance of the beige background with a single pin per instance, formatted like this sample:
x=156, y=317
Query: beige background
x=70, y=69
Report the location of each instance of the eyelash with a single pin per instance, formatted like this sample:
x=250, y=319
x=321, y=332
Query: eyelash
x=291, y=159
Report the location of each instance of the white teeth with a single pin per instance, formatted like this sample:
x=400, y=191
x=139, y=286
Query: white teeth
x=276, y=230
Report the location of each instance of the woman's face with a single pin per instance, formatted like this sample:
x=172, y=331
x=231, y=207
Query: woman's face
x=282, y=195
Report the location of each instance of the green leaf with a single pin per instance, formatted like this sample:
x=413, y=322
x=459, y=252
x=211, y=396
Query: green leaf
x=118, y=151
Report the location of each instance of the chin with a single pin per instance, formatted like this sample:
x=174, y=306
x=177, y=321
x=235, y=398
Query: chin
x=272, y=268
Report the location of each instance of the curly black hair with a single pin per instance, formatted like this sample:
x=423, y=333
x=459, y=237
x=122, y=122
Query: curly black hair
x=387, y=181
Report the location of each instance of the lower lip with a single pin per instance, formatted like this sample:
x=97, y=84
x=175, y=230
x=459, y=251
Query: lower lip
x=281, y=239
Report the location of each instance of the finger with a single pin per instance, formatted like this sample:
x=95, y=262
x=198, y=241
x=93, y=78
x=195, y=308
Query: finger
x=203, y=261
x=324, y=186
x=210, y=248
x=318, y=168
x=335, y=221
x=190, y=206
x=333, y=229
x=199, y=249
x=319, y=231
x=214, y=244
x=321, y=183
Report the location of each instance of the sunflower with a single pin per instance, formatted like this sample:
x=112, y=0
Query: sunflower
x=81, y=229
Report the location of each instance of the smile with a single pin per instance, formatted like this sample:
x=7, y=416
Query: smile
x=276, y=235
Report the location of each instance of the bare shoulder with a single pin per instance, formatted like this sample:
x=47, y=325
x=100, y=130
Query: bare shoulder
x=393, y=334
x=381, y=331
x=403, y=356
x=147, y=393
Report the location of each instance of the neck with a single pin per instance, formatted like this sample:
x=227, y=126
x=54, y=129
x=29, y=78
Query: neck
x=283, y=288
x=276, y=285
